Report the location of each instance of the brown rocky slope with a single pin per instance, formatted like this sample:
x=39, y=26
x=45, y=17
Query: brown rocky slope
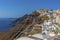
x=19, y=28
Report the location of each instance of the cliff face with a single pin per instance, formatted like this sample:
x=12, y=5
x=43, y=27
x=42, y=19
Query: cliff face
x=20, y=25
x=24, y=23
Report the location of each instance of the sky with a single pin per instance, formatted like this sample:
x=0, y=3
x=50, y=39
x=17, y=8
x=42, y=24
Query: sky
x=18, y=8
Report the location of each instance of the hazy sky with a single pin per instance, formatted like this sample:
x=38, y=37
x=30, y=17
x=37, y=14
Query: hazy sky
x=17, y=8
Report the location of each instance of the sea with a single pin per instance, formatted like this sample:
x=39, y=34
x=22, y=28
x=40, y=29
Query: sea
x=6, y=23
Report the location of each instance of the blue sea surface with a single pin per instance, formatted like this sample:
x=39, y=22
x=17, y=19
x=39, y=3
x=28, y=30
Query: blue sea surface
x=6, y=23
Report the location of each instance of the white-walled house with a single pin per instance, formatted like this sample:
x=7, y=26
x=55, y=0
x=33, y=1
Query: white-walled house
x=58, y=18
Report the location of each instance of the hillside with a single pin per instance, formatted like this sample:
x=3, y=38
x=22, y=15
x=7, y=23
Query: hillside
x=24, y=23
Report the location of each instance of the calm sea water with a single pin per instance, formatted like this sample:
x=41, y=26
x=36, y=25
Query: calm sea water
x=5, y=23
